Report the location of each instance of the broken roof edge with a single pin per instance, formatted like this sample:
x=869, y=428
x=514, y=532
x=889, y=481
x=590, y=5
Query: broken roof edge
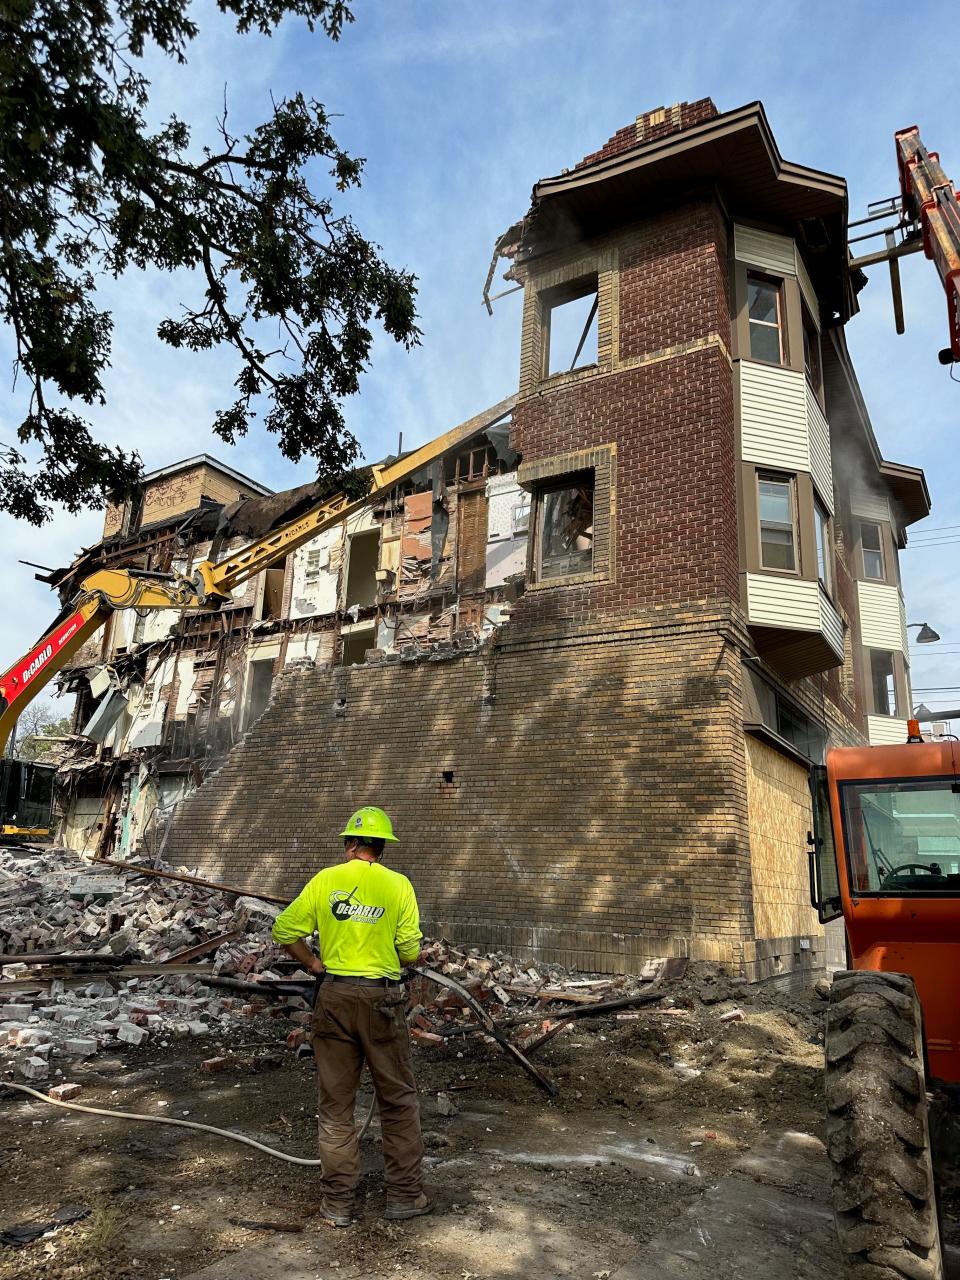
x=652, y=150
x=206, y=459
x=733, y=154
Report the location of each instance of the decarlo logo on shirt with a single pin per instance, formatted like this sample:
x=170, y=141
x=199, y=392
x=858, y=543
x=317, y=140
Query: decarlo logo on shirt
x=345, y=906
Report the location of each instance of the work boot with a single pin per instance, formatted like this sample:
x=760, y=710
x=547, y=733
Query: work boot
x=397, y=1210
x=336, y=1215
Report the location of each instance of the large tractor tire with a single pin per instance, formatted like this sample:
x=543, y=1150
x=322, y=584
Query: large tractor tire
x=878, y=1138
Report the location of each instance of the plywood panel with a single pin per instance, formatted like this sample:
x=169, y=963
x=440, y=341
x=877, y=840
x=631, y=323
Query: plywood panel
x=779, y=817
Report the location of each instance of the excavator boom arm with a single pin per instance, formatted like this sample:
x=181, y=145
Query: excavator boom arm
x=929, y=197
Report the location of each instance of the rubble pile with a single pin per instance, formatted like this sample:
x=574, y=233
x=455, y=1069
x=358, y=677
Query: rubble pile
x=45, y=907
x=509, y=990
x=42, y=1033
x=99, y=928
x=48, y=903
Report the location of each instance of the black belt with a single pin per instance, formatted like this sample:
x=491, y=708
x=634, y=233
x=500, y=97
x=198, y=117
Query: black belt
x=363, y=982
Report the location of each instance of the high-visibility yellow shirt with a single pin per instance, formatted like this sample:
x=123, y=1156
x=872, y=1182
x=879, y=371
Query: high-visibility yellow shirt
x=366, y=917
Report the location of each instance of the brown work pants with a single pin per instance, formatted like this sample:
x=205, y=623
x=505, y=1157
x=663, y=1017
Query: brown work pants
x=353, y=1023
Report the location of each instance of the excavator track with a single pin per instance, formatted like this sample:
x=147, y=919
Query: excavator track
x=878, y=1136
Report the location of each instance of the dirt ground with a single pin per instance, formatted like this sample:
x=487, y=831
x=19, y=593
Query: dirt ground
x=654, y=1111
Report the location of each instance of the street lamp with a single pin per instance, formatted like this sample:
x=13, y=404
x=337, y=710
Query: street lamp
x=926, y=634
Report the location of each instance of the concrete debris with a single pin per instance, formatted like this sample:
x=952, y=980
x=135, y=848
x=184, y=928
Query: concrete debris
x=146, y=921
x=446, y=1106
x=34, y=1068
x=47, y=1022
x=149, y=920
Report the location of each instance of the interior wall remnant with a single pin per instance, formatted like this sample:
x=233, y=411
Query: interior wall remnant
x=184, y=685
x=83, y=823
x=508, y=527
x=314, y=588
x=426, y=560
x=316, y=647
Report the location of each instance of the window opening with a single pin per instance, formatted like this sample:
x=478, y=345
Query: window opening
x=271, y=602
x=884, y=683
x=824, y=549
x=565, y=529
x=356, y=644
x=777, y=522
x=570, y=327
x=520, y=517
x=362, y=569
x=766, y=706
x=261, y=680
x=871, y=543
x=765, y=311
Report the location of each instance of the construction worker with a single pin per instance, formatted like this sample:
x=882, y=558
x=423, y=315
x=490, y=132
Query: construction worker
x=368, y=925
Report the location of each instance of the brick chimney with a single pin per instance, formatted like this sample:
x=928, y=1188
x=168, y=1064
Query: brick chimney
x=659, y=123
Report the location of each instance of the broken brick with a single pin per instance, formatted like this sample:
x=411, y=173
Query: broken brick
x=63, y=1092
x=425, y=1037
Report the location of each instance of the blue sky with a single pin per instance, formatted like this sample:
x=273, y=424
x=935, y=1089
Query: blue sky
x=458, y=109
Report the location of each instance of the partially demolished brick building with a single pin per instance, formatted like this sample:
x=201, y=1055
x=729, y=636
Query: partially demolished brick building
x=586, y=664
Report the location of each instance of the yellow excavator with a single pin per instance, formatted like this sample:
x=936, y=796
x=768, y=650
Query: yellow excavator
x=212, y=583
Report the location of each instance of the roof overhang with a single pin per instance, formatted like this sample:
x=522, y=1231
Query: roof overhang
x=734, y=154
x=908, y=489
x=206, y=460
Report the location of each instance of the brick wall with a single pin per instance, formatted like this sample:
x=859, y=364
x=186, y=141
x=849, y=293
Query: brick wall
x=662, y=395
x=558, y=835
x=651, y=125
x=171, y=495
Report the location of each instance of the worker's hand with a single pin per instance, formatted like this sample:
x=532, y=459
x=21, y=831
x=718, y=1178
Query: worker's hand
x=316, y=966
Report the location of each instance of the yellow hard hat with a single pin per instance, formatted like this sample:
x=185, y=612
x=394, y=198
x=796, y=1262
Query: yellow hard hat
x=369, y=822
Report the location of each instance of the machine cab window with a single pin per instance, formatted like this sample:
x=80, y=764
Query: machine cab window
x=902, y=836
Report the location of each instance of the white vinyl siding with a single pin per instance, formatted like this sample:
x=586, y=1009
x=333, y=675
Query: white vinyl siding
x=773, y=417
x=881, y=617
x=886, y=731
x=831, y=624
x=766, y=250
x=820, y=465
x=777, y=255
x=869, y=506
x=793, y=605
